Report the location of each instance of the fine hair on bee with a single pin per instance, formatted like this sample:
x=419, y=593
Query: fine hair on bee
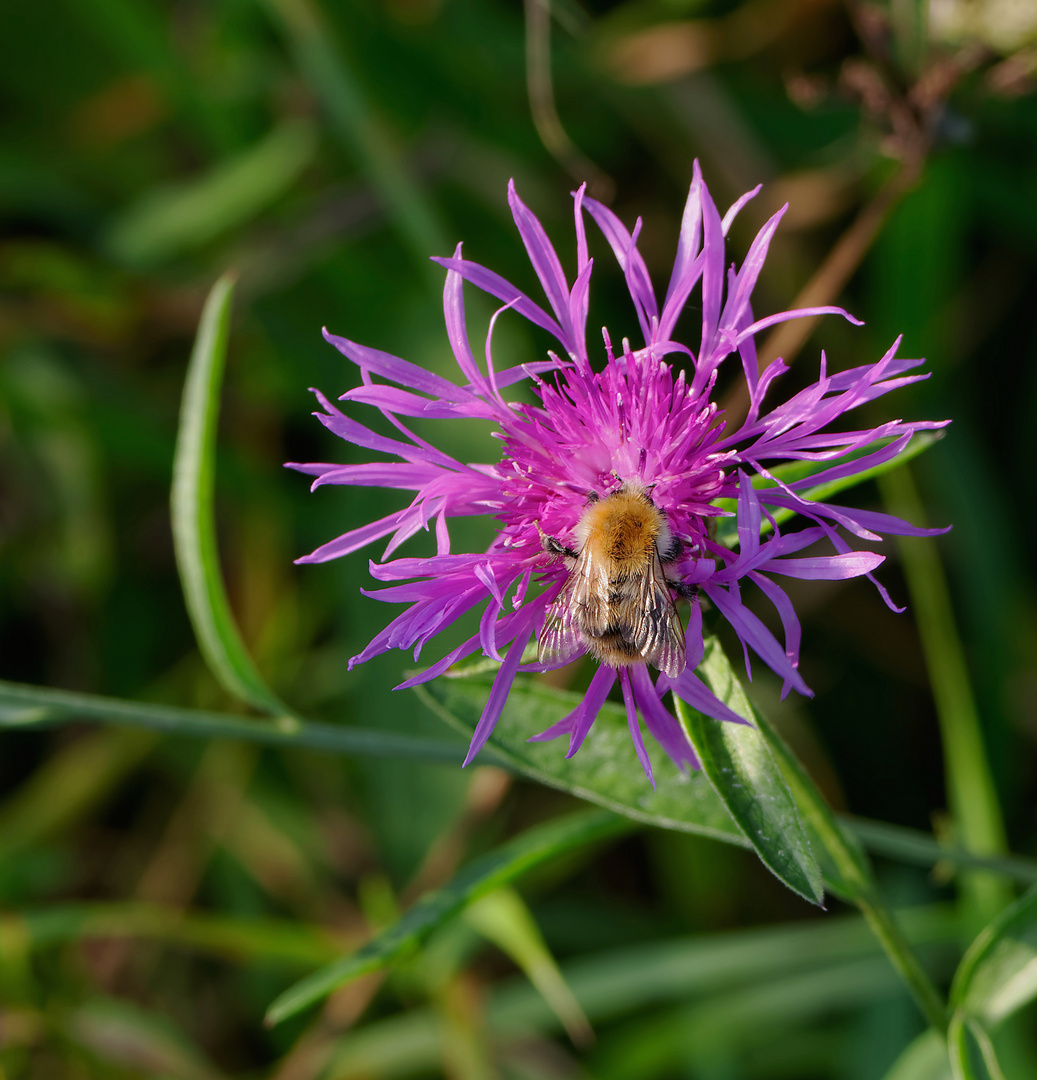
x=617, y=601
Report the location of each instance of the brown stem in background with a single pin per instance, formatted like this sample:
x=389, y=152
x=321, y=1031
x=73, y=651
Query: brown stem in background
x=543, y=109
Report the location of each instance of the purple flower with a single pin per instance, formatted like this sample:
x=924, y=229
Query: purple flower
x=637, y=427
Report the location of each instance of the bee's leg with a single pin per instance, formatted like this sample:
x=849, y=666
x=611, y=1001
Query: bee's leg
x=673, y=552
x=553, y=547
x=682, y=589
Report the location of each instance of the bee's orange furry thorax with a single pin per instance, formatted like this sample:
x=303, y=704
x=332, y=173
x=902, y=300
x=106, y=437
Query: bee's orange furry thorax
x=623, y=528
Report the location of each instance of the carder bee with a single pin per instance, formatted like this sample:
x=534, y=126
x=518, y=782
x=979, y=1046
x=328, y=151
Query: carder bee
x=617, y=601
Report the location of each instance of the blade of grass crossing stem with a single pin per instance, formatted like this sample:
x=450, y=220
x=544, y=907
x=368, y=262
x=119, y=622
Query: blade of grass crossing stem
x=477, y=879
x=738, y=764
x=194, y=525
x=973, y=797
x=503, y=918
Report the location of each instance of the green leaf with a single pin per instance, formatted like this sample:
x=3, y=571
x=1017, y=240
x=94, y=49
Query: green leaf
x=605, y=771
x=922, y=849
x=727, y=528
x=971, y=791
x=479, y=878
x=648, y=977
x=750, y=784
x=240, y=938
x=998, y=974
x=194, y=526
x=996, y=978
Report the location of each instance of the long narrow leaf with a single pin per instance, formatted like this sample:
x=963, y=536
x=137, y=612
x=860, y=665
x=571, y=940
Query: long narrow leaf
x=971, y=790
x=750, y=784
x=242, y=939
x=503, y=918
x=998, y=974
x=922, y=849
x=32, y=706
x=194, y=526
x=642, y=978
x=479, y=878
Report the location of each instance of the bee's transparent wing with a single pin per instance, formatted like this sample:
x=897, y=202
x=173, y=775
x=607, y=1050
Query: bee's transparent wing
x=659, y=636
x=560, y=640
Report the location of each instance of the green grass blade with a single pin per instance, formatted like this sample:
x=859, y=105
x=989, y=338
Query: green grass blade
x=642, y=978
x=750, y=784
x=970, y=785
x=479, y=878
x=503, y=918
x=971, y=1051
x=236, y=937
x=605, y=771
x=998, y=974
x=31, y=706
x=194, y=526
x=913, y=846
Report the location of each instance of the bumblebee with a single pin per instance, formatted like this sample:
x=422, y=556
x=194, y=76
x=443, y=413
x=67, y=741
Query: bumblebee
x=617, y=602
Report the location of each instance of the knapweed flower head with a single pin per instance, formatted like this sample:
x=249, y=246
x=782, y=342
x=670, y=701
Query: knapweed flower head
x=608, y=491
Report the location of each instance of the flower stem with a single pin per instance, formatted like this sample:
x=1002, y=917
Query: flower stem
x=903, y=958
x=848, y=873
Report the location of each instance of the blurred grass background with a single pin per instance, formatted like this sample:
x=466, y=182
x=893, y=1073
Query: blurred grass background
x=158, y=892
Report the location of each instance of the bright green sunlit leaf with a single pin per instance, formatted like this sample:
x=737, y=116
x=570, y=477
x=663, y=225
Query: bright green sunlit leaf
x=194, y=526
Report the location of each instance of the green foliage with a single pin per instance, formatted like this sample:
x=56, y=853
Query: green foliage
x=605, y=771
x=479, y=879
